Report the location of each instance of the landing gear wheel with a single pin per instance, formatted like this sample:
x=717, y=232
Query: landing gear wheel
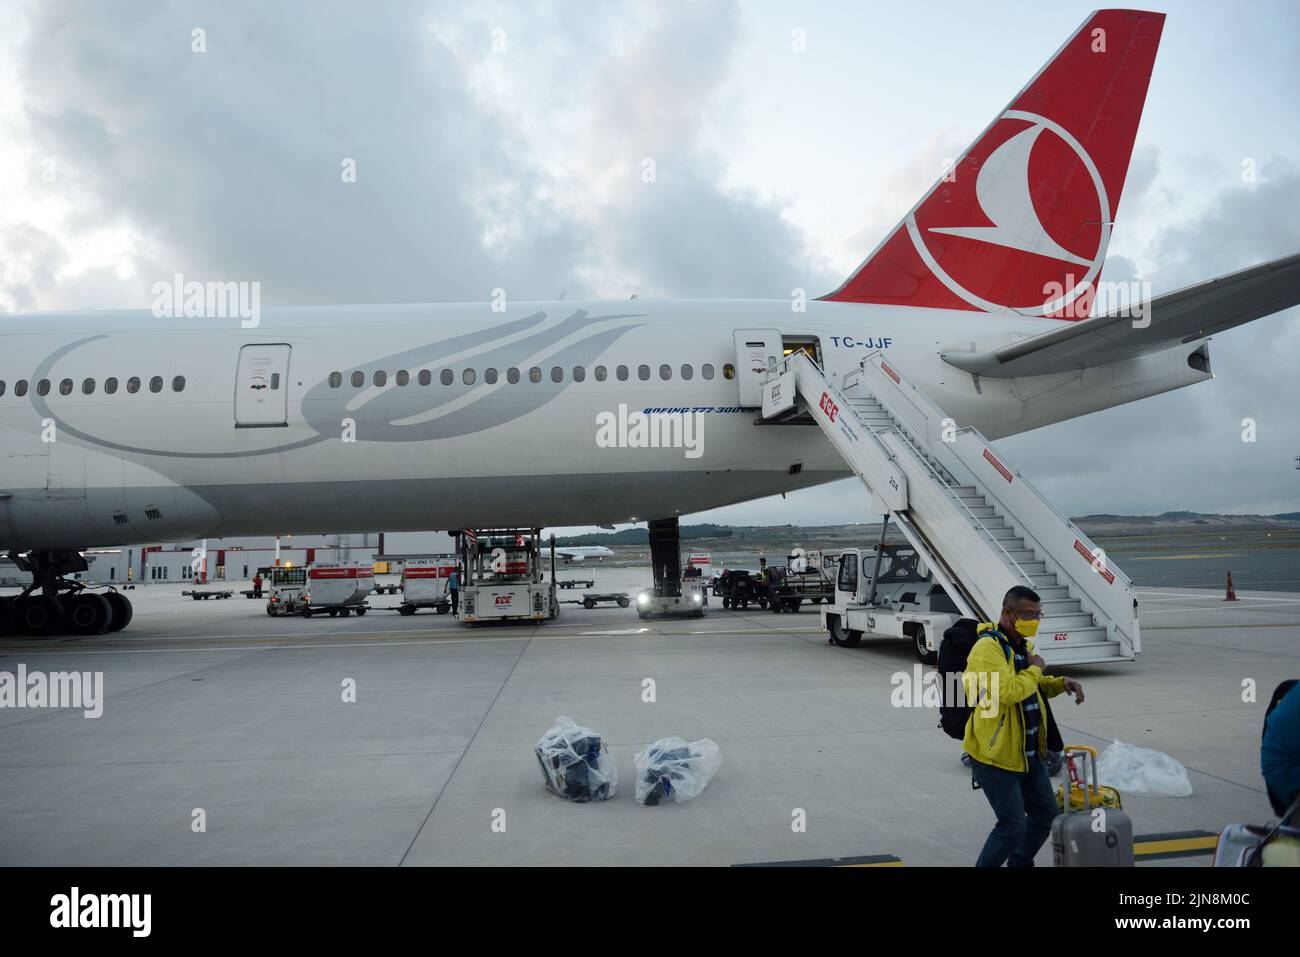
x=122, y=610
x=927, y=656
x=38, y=615
x=86, y=614
x=844, y=637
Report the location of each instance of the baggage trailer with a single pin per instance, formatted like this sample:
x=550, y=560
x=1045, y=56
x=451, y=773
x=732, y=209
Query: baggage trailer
x=205, y=595
x=425, y=584
x=503, y=578
x=338, y=588
x=889, y=591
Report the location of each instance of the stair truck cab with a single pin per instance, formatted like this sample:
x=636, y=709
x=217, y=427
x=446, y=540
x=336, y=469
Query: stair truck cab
x=504, y=579
x=425, y=584
x=888, y=591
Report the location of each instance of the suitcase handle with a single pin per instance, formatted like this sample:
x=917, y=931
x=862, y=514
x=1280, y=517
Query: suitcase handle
x=1083, y=752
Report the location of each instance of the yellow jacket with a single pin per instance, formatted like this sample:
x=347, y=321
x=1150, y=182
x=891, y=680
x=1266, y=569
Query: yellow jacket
x=995, y=731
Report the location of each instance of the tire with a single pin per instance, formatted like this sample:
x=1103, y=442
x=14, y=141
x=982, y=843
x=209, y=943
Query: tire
x=359, y=611
x=442, y=609
x=726, y=603
x=307, y=612
x=122, y=610
x=623, y=603
x=926, y=656
x=269, y=612
x=344, y=612
x=87, y=614
x=588, y=604
x=793, y=605
x=844, y=637
x=37, y=615
x=408, y=610
x=642, y=615
x=6, y=615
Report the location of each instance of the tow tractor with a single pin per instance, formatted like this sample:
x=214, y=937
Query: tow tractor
x=673, y=593
x=287, y=586
x=503, y=578
x=888, y=591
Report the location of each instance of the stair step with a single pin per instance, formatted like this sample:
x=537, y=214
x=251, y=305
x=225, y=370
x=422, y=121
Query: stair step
x=1067, y=623
x=1060, y=607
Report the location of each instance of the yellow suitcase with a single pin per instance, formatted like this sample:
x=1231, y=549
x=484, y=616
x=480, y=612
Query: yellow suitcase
x=1099, y=796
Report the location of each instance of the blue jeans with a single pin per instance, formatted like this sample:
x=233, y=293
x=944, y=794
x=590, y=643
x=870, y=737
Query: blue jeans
x=1025, y=805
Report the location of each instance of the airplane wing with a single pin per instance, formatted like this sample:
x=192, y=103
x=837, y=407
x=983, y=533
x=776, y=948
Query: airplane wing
x=1183, y=316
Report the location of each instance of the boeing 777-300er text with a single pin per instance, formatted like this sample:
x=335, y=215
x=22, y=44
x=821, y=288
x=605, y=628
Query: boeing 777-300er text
x=131, y=427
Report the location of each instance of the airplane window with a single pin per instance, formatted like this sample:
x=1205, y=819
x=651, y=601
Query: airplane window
x=380, y=377
x=43, y=387
x=687, y=371
x=557, y=374
x=178, y=383
x=133, y=384
x=706, y=370
x=358, y=379
x=65, y=387
x=601, y=374
x=665, y=372
x=110, y=385
x=20, y=387
x=87, y=386
x=728, y=371
x=336, y=379
x=490, y=376
x=512, y=375
x=621, y=372
x=534, y=374
x=425, y=377
x=579, y=374
x=643, y=372
x=155, y=384
x=468, y=376
x=403, y=377
x=446, y=377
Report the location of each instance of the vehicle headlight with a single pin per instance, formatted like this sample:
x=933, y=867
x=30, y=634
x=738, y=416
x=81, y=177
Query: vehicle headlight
x=698, y=598
x=643, y=599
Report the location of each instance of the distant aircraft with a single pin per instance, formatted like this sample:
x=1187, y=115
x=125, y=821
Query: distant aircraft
x=122, y=428
x=579, y=553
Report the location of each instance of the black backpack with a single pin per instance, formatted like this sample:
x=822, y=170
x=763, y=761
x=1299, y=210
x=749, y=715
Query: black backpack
x=953, y=652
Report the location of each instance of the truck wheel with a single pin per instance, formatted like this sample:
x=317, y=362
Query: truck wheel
x=927, y=656
x=359, y=611
x=623, y=603
x=334, y=612
x=844, y=637
x=442, y=609
x=410, y=609
x=726, y=603
x=307, y=612
x=269, y=612
x=588, y=603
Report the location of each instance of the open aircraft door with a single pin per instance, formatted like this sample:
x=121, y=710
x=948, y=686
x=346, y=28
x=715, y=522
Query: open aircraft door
x=757, y=350
x=262, y=386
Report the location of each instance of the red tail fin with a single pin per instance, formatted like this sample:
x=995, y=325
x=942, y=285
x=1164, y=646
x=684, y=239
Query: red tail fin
x=1021, y=222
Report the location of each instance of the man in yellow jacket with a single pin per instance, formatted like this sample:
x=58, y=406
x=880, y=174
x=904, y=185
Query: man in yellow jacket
x=1006, y=733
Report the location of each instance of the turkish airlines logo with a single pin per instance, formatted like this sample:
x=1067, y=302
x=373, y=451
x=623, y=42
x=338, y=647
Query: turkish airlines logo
x=1039, y=198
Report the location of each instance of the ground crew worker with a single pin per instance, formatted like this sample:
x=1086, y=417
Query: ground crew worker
x=1006, y=735
x=257, y=585
x=453, y=585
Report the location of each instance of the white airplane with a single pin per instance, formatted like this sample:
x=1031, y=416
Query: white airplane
x=580, y=553
x=133, y=427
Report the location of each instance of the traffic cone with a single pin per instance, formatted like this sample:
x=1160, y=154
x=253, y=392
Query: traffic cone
x=1232, y=595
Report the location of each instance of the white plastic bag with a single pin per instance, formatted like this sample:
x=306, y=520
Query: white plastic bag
x=672, y=769
x=1142, y=771
x=576, y=763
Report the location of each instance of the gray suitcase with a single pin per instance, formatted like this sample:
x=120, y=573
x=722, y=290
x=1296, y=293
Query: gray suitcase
x=1075, y=842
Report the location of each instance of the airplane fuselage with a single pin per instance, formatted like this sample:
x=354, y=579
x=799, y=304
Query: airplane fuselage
x=405, y=417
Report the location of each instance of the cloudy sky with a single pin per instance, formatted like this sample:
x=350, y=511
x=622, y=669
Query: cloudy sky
x=500, y=145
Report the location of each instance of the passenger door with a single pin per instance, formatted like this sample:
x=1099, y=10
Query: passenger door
x=757, y=351
x=262, y=387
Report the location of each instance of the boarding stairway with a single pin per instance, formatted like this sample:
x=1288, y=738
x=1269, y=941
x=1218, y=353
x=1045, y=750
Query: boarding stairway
x=979, y=525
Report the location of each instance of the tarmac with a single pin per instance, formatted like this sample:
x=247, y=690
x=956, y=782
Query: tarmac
x=215, y=713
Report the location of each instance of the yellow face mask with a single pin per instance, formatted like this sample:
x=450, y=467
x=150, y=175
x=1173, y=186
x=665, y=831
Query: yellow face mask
x=1026, y=628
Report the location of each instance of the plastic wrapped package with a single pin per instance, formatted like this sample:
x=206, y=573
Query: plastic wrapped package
x=671, y=769
x=576, y=763
x=1142, y=771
